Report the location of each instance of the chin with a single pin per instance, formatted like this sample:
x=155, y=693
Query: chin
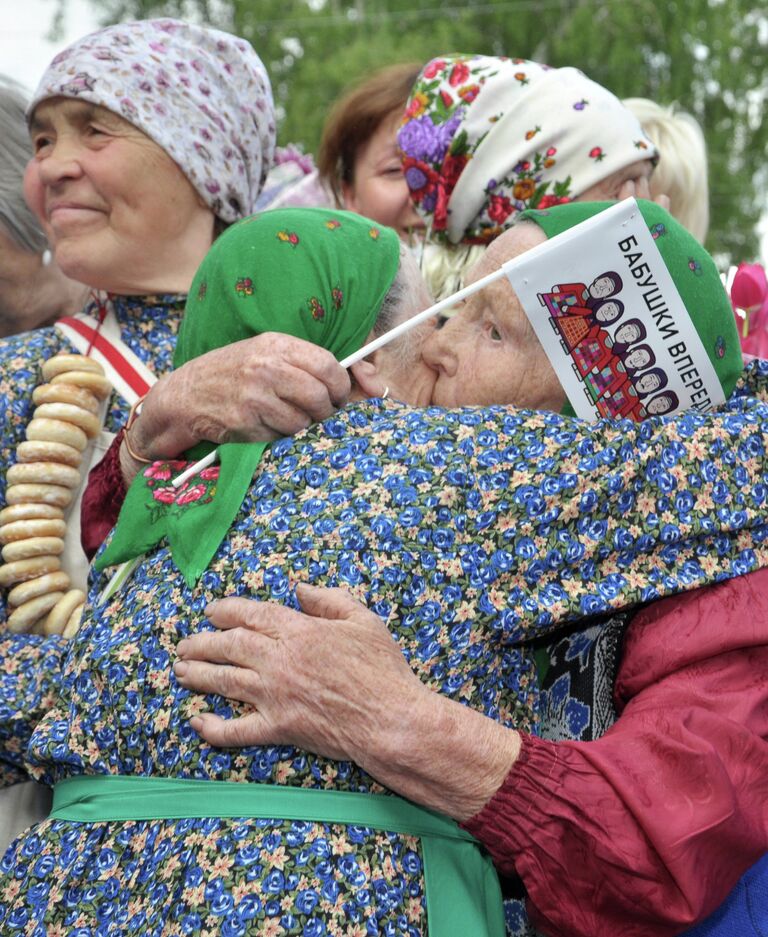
x=78, y=260
x=443, y=396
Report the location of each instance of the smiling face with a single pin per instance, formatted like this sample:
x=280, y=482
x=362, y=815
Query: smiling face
x=647, y=382
x=378, y=189
x=602, y=287
x=488, y=352
x=118, y=211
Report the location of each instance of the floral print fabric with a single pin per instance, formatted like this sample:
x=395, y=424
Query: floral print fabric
x=485, y=137
x=473, y=533
x=201, y=94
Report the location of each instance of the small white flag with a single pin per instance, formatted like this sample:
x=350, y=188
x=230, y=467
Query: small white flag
x=610, y=318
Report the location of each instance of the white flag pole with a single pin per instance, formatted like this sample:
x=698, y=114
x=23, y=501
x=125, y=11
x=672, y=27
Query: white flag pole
x=196, y=468
x=377, y=343
x=420, y=317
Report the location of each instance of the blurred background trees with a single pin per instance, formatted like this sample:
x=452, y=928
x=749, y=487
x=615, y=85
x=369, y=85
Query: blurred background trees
x=709, y=56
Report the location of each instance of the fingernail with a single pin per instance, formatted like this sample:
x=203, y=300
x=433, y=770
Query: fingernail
x=196, y=723
x=182, y=647
x=209, y=609
x=180, y=668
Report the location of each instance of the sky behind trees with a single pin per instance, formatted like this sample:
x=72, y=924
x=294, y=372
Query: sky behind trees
x=709, y=56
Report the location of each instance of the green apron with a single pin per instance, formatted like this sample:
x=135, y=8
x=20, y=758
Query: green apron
x=462, y=889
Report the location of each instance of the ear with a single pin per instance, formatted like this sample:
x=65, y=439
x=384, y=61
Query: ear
x=348, y=197
x=368, y=378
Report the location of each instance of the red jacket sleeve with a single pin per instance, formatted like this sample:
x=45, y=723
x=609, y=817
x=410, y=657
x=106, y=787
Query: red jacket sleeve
x=647, y=830
x=102, y=499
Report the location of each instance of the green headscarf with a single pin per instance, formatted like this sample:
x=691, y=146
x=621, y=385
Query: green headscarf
x=690, y=266
x=312, y=273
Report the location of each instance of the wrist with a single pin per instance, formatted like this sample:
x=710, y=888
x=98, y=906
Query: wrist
x=440, y=754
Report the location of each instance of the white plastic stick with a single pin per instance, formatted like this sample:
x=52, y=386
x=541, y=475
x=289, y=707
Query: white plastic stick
x=420, y=317
x=368, y=349
x=196, y=468
x=119, y=577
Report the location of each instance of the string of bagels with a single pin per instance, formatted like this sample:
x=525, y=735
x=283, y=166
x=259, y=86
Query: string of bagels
x=41, y=486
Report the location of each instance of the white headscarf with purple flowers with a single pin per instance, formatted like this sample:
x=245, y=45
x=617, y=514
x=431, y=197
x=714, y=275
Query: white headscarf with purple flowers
x=484, y=138
x=201, y=94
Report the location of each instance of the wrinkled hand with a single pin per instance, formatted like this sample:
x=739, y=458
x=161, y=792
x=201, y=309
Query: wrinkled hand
x=332, y=680
x=255, y=390
x=314, y=680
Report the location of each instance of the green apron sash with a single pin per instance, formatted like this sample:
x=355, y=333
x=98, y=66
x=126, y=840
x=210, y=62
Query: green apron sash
x=462, y=889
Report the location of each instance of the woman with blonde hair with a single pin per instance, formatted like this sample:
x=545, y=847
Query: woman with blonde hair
x=681, y=173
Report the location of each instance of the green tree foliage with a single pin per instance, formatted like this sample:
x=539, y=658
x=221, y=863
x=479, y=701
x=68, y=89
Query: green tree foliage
x=706, y=55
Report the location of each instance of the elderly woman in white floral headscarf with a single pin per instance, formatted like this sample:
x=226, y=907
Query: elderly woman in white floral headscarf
x=148, y=137
x=486, y=137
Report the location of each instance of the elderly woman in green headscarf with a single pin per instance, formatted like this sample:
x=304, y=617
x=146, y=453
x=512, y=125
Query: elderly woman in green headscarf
x=132, y=780
x=646, y=828
x=472, y=532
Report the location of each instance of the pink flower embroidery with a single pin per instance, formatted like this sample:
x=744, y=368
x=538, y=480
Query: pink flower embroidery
x=165, y=495
x=435, y=66
x=210, y=472
x=163, y=471
x=459, y=74
x=191, y=494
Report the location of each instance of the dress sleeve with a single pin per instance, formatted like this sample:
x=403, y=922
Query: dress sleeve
x=102, y=499
x=647, y=829
x=30, y=676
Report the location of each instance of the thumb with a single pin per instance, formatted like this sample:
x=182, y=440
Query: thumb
x=327, y=603
x=231, y=733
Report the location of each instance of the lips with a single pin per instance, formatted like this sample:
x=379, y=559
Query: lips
x=65, y=214
x=69, y=206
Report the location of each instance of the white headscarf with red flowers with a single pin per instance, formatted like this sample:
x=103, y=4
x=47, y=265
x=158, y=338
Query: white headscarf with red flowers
x=484, y=138
x=201, y=94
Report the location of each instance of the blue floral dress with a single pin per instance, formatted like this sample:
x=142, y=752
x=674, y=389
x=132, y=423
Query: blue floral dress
x=471, y=532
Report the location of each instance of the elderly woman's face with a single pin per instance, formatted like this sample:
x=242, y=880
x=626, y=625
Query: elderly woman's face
x=379, y=190
x=118, y=211
x=488, y=353
x=632, y=181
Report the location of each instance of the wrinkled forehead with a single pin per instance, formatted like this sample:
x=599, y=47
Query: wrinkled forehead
x=71, y=111
x=513, y=242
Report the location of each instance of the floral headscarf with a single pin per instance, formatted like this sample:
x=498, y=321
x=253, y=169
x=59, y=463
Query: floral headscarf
x=201, y=94
x=313, y=273
x=486, y=137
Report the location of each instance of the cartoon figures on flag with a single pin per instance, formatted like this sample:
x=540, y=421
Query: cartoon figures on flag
x=617, y=369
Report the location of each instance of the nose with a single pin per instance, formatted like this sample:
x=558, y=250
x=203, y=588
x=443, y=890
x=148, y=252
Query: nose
x=439, y=347
x=61, y=161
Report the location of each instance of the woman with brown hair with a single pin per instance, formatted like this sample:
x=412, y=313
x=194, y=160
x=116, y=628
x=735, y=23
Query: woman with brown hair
x=358, y=157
